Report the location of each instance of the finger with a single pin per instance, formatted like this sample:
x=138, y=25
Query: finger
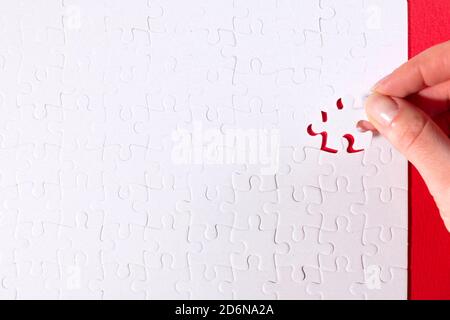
x=442, y=120
x=423, y=143
x=429, y=68
x=433, y=100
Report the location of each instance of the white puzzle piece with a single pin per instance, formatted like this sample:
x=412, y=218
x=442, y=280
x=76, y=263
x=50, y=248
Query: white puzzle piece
x=198, y=149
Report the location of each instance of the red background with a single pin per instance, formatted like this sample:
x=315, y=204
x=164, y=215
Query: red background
x=429, y=24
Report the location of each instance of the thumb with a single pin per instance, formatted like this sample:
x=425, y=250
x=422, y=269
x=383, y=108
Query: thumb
x=419, y=139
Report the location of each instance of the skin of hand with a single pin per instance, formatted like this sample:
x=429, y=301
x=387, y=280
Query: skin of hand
x=395, y=110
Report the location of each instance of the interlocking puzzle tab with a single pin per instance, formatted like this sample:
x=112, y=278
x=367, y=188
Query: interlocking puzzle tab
x=160, y=149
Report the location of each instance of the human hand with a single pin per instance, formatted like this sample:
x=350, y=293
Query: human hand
x=395, y=110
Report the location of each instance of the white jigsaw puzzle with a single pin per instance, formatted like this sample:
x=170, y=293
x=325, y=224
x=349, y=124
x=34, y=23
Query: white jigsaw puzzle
x=198, y=149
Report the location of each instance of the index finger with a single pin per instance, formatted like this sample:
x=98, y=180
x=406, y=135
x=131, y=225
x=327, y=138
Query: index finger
x=429, y=68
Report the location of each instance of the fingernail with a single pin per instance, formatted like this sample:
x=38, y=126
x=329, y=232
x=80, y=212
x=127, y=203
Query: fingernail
x=381, y=82
x=382, y=109
x=364, y=126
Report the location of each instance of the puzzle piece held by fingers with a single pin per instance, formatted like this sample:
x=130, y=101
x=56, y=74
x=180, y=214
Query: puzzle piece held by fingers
x=338, y=128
